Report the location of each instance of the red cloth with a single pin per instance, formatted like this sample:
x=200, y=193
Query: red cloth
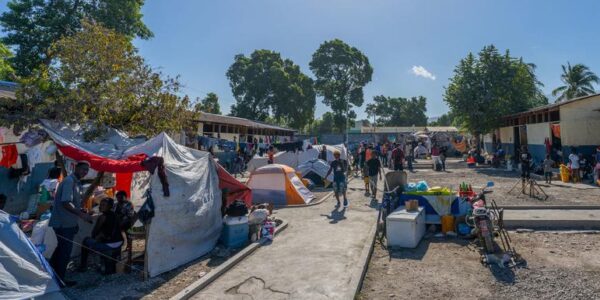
x=555, y=130
x=9, y=156
x=235, y=189
x=123, y=183
x=103, y=164
x=135, y=163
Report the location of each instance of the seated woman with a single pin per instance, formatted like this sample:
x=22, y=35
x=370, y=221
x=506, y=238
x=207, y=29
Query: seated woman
x=106, y=238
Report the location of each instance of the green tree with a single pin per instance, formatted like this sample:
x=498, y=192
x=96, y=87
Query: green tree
x=489, y=86
x=446, y=119
x=399, y=111
x=578, y=80
x=96, y=77
x=209, y=104
x=341, y=72
x=323, y=125
x=32, y=26
x=6, y=70
x=265, y=85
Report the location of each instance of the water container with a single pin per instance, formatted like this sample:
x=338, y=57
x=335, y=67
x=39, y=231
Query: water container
x=447, y=223
x=235, y=231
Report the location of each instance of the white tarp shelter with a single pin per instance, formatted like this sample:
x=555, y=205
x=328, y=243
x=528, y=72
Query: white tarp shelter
x=187, y=224
x=24, y=272
x=316, y=166
x=293, y=159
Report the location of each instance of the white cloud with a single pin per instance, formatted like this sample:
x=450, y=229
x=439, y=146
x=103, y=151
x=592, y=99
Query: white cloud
x=422, y=72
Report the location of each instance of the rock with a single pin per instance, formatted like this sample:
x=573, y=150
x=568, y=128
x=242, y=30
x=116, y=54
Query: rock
x=392, y=295
x=552, y=251
x=201, y=274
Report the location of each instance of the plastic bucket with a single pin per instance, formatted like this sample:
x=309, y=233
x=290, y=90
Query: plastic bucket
x=447, y=223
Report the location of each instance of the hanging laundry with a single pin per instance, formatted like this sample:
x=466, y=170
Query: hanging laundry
x=290, y=146
x=9, y=155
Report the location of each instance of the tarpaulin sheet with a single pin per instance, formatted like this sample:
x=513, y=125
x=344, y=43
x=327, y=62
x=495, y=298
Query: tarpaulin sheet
x=24, y=272
x=235, y=189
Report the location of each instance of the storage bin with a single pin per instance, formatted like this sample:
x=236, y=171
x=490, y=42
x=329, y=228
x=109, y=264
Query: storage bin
x=235, y=232
x=404, y=228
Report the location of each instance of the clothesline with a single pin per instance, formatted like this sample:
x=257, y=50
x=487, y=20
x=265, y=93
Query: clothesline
x=12, y=143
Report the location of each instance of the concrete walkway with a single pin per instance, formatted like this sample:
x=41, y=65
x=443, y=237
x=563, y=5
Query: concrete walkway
x=321, y=255
x=552, y=218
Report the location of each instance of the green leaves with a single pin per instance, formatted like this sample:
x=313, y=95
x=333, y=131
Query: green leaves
x=341, y=71
x=265, y=85
x=32, y=26
x=96, y=76
x=578, y=80
x=209, y=104
x=489, y=86
x=398, y=111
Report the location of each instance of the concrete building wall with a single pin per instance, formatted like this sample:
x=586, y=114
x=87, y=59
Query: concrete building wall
x=507, y=139
x=536, y=136
x=580, y=122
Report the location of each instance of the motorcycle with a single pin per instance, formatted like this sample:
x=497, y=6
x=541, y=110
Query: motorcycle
x=482, y=220
x=486, y=220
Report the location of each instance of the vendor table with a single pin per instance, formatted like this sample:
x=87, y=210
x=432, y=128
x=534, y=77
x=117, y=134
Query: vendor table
x=437, y=205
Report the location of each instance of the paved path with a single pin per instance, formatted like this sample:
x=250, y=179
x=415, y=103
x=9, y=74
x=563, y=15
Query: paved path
x=319, y=256
x=552, y=218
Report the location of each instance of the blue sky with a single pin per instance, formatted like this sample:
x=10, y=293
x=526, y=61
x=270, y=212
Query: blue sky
x=198, y=39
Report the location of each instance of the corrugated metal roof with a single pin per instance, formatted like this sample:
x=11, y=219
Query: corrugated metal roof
x=552, y=105
x=213, y=118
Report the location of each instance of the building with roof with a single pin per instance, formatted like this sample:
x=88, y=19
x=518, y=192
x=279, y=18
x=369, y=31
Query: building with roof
x=553, y=128
x=244, y=130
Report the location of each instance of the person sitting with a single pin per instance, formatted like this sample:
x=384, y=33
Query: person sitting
x=106, y=239
x=124, y=211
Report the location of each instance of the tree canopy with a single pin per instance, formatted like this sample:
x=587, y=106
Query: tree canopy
x=6, y=69
x=446, y=119
x=323, y=125
x=578, y=82
x=399, y=111
x=96, y=76
x=209, y=104
x=490, y=85
x=265, y=85
x=341, y=72
x=32, y=26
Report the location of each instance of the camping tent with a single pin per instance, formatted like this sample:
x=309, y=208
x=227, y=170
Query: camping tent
x=289, y=159
x=330, y=149
x=24, y=272
x=278, y=184
x=187, y=215
x=315, y=166
x=235, y=189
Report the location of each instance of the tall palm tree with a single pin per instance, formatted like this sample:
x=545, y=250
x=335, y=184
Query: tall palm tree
x=578, y=80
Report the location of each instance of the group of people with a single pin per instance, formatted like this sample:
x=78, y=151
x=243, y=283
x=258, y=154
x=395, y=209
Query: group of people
x=116, y=217
x=580, y=167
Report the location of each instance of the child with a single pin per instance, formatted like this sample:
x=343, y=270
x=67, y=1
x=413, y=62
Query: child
x=548, y=163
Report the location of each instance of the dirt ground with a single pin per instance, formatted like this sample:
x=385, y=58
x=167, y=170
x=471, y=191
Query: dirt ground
x=560, y=265
x=559, y=193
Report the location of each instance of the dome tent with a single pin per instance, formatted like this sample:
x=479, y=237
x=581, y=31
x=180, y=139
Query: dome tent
x=278, y=184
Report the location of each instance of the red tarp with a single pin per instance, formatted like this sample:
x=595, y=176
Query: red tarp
x=102, y=164
x=235, y=189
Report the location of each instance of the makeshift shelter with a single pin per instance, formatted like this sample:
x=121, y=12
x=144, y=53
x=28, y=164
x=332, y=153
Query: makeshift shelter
x=184, y=191
x=278, y=184
x=289, y=159
x=331, y=149
x=316, y=170
x=24, y=272
x=235, y=189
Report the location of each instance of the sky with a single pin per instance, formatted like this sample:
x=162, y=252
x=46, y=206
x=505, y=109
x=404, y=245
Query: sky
x=413, y=46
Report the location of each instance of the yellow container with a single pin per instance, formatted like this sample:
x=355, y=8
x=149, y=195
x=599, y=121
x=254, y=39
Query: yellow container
x=564, y=173
x=447, y=223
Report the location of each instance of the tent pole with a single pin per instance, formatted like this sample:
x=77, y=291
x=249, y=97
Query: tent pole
x=92, y=187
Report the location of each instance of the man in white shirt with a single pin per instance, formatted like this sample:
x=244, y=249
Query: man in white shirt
x=574, y=158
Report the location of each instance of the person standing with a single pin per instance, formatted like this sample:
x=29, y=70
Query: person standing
x=398, y=158
x=271, y=155
x=525, y=158
x=574, y=158
x=409, y=155
x=338, y=167
x=374, y=170
x=443, y=155
x=548, y=163
x=65, y=211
